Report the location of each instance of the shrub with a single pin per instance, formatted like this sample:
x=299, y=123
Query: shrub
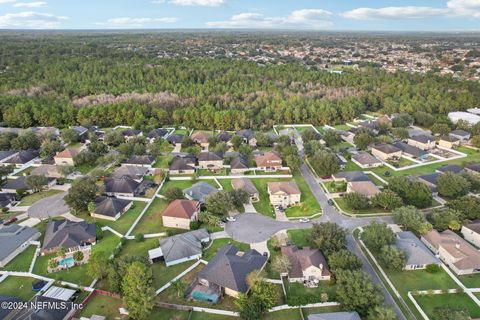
x=433, y=268
x=139, y=237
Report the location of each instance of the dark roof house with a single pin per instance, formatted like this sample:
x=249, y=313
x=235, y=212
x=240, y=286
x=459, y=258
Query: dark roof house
x=110, y=206
x=124, y=185
x=199, y=191
x=68, y=234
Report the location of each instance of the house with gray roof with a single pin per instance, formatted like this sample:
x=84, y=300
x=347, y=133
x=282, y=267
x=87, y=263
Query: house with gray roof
x=199, y=191
x=122, y=187
x=453, y=168
x=417, y=254
x=175, y=138
x=49, y=310
x=110, y=208
x=182, y=165
x=71, y=235
x=430, y=180
x=155, y=134
x=366, y=160
x=473, y=168
x=14, y=239
x=350, y=176
x=12, y=185
x=461, y=135
x=335, y=316
x=146, y=161
x=411, y=151
x=422, y=141
x=229, y=270
x=239, y=165
x=247, y=185
x=134, y=172
x=210, y=161
x=6, y=200
x=180, y=248
x=22, y=158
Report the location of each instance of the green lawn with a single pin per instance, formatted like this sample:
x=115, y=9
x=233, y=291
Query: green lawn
x=413, y=280
x=298, y=294
x=21, y=262
x=299, y=237
x=18, y=287
x=217, y=244
x=104, y=306
x=151, y=221
x=24, y=172
x=163, y=162
x=124, y=223
x=226, y=184
x=263, y=206
x=85, y=168
x=289, y=314
x=342, y=145
x=458, y=300
x=375, y=180
x=342, y=127
x=163, y=274
x=372, y=210
x=335, y=187
x=470, y=281
x=351, y=166
x=308, y=206
x=31, y=199
x=205, y=172
x=403, y=162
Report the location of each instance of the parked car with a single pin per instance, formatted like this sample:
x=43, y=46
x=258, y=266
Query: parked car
x=330, y=202
x=231, y=219
x=10, y=221
x=304, y=220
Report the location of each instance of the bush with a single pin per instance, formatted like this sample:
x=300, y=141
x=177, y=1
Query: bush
x=433, y=268
x=195, y=225
x=139, y=237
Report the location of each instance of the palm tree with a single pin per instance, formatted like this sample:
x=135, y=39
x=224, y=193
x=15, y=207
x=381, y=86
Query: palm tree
x=78, y=256
x=53, y=264
x=179, y=287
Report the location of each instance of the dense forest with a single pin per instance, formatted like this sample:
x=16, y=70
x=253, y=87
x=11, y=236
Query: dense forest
x=93, y=79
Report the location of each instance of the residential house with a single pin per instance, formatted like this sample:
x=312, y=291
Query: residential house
x=199, y=191
x=365, y=160
x=285, y=193
x=449, y=142
x=386, y=151
x=239, y=165
x=210, y=160
x=180, y=248
x=175, y=138
x=66, y=157
x=110, y=208
x=180, y=213
x=70, y=235
x=130, y=134
x=229, y=269
x=7, y=200
x=471, y=232
x=140, y=161
x=342, y=315
x=20, y=183
x=155, y=134
x=454, y=251
x=134, y=172
x=224, y=136
x=21, y=158
x=14, y=240
x=453, y=168
x=366, y=188
x=248, y=136
x=122, y=187
x=349, y=176
x=43, y=308
x=269, y=161
x=430, y=180
x=47, y=170
x=424, y=142
x=417, y=254
x=473, y=168
x=461, y=135
x=182, y=165
x=201, y=138
x=411, y=151
x=306, y=264
x=6, y=155
x=81, y=131
x=247, y=185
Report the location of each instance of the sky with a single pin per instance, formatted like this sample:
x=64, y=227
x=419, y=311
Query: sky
x=319, y=15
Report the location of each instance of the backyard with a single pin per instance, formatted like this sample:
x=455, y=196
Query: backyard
x=151, y=221
x=18, y=287
x=21, y=262
x=103, y=305
x=458, y=301
x=298, y=294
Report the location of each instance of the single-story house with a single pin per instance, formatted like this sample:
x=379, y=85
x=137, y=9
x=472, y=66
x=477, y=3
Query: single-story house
x=133, y=172
x=6, y=200
x=386, y=151
x=47, y=170
x=424, y=142
x=411, y=151
x=182, y=165
x=349, y=176
x=155, y=134
x=110, y=208
x=122, y=187
x=285, y=193
x=201, y=138
x=180, y=248
x=473, y=168
x=449, y=142
x=210, y=160
x=453, y=168
x=461, y=135
x=20, y=183
x=180, y=213
x=471, y=232
x=366, y=188
x=365, y=160
x=145, y=161
x=81, y=131
x=65, y=157
x=21, y=158
x=306, y=264
x=224, y=136
x=247, y=185
x=229, y=269
x=454, y=251
x=7, y=154
x=430, y=180
x=59, y=293
x=417, y=254
x=199, y=191
x=129, y=134
x=248, y=136
x=239, y=165
x=71, y=235
x=14, y=240
x=269, y=161
x=342, y=315
x=175, y=138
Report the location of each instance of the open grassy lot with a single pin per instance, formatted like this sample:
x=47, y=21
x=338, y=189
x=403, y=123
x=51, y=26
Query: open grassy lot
x=18, y=287
x=21, y=262
x=77, y=274
x=470, y=281
x=458, y=300
x=308, y=206
x=342, y=127
x=163, y=162
x=32, y=198
x=297, y=293
x=299, y=237
x=126, y=220
x=103, y=305
x=342, y=204
x=151, y=221
x=209, y=253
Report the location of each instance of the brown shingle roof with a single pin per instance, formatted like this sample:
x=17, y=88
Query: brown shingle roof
x=301, y=259
x=367, y=188
x=269, y=159
x=288, y=187
x=386, y=148
x=68, y=153
x=200, y=136
x=181, y=208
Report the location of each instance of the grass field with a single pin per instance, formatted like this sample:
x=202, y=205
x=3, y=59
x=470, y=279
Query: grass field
x=299, y=237
x=151, y=221
x=470, y=281
x=458, y=300
x=124, y=223
x=300, y=292
x=263, y=206
x=32, y=198
x=103, y=305
x=18, y=287
x=217, y=244
x=21, y=262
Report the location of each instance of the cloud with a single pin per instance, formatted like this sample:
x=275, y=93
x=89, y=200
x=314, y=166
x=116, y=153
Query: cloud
x=36, y=4
x=158, y=1
x=31, y=20
x=409, y=12
x=465, y=7
x=7, y=1
x=205, y=3
x=298, y=19
x=126, y=22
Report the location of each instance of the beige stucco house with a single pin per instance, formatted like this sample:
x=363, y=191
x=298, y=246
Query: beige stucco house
x=386, y=151
x=306, y=264
x=65, y=157
x=180, y=213
x=283, y=194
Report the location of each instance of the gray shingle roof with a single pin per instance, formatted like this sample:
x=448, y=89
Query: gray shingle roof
x=175, y=138
x=239, y=163
x=134, y=172
x=352, y=176
x=423, y=138
x=6, y=199
x=386, y=148
x=199, y=191
x=68, y=234
x=140, y=160
x=229, y=269
x=13, y=236
x=23, y=157
x=122, y=185
x=450, y=168
x=411, y=150
x=335, y=316
x=110, y=206
x=460, y=133
x=365, y=158
x=179, y=163
x=183, y=245
x=6, y=154
x=416, y=252
x=157, y=133
x=210, y=156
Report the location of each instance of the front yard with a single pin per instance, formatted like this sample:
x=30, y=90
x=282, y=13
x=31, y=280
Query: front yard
x=345, y=208
x=308, y=206
x=32, y=198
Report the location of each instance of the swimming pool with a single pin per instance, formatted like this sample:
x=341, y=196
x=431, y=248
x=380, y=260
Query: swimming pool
x=67, y=262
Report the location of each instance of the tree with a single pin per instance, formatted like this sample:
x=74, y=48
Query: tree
x=53, y=264
x=445, y=218
x=325, y=163
x=5, y=171
x=113, y=138
x=450, y=313
x=400, y=133
x=440, y=128
x=293, y=162
x=78, y=256
x=173, y=194
x=344, y=259
x=328, y=237
x=61, y=253
x=468, y=206
x=81, y=193
x=392, y=258
x=412, y=193
x=377, y=235
x=331, y=138
x=263, y=296
x=137, y=290
x=96, y=267
x=355, y=291
x=49, y=148
x=208, y=218
x=387, y=200
x=281, y=264
x=263, y=140
x=65, y=171
x=239, y=198
x=70, y=136
x=403, y=120
x=363, y=140
x=219, y=203
x=26, y=141
x=179, y=286
x=411, y=219
x=36, y=183
x=475, y=141
x=452, y=185
x=381, y=313
x=356, y=201
x=309, y=135
x=236, y=142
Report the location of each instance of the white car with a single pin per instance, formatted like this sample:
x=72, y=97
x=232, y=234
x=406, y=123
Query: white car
x=304, y=220
x=231, y=219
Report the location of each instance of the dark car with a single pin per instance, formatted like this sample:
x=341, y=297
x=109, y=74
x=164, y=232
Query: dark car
x=10, y=221
x=330, y=202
